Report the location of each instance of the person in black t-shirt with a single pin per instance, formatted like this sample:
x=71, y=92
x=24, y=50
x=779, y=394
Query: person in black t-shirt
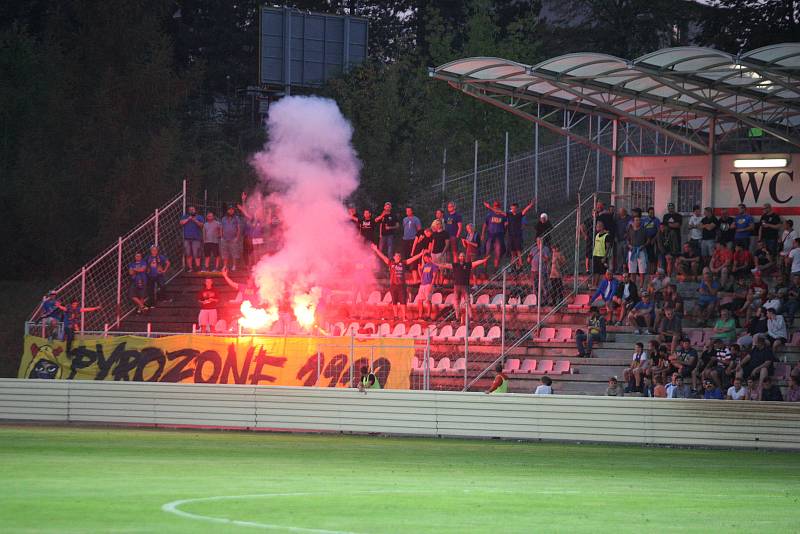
x=727, y=228
x=366, y=227
x=389, y=223
x=673, y=220
x=462, y=270
x=397, y=279
x=516, y=220
x=709, y=228
x=771, y=226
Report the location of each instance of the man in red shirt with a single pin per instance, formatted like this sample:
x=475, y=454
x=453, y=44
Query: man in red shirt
x=758, y=282
x=720, y=264
x=500, y=384
x=207, y=319
x=742, y=262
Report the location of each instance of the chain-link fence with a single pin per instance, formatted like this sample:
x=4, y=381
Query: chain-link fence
x=104, y=282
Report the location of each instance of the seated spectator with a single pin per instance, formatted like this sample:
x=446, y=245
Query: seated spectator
x=734, y=367
x=658, y=283
x=681, y=390
x=753, y=304
x=712, y=391
x=737, y=391
x=763, y=259
x=669, y=299
x=635, y=372
x=770, y=391
x=659, y=391
x=673, y=383
x=753, y=390
x=614, y=388
x=742, y=262
x=720, y=263
x=208, y=299
x=711, y=364
x=791, y=303
x=625, y=297
x=642, y=315
x=759, y=363
x=725, y=327
x=685, y=358
x=793, y=392
x=777, y=335
x=596, y=331
x=546, y=386
x=688, y=263
x=669, y=329
x=660, y=366
x=755, y=327
x=606, y=291
x=500, y=384
x=707, y=299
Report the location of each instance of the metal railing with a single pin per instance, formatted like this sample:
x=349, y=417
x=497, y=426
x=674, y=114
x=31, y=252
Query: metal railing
x=104, y=280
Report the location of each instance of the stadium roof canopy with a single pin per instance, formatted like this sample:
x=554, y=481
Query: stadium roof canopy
x=691, y=94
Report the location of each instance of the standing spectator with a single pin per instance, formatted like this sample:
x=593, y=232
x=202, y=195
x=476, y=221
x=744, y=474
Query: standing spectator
x=596, y=331
x=793, y=258
x=727, y=228
x=352, y=214
x=231, y=235
x=72, y=321
x=557, y=263
x=709, y=226
x=669, y=328
x=387, y=229
x=539, y=257
x=744, y=228
x=397, y=280
x=587, y=230
x=667, y=249
x=695, y=229
x=737, y=391
x=441, y=240
x=500, y=384
x=600, y=251
x=157, y=266
x=247, y=291
x=137, y=270
x=720, y=264
x=673, y=221
x=516, y=221
x=651, y=224
x=454, y=225
x=428, y=272
x=606, y=216
x=621, y=223
x=788, y=236
x=438, y=216
x=614, y=388
x=626, y=297
x=495, y=228
x=777, y=334
x=770, y=228
x=367, y=227
x=636, y=238
x=254, y=240
x=212, y=233
x=192, y=224
x=208, y=299
x=636, y=370
x=411, y=229
x=688, y=263
x=462, y=270
x=471, y=242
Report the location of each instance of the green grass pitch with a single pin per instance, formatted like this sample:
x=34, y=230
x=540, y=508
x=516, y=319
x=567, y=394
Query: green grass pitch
x=66, y=479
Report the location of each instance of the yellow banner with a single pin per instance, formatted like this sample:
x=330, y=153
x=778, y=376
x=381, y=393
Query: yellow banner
x=289, y=361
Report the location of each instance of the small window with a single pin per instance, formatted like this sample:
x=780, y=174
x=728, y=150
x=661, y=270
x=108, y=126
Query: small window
x=687, y=192
x=640, y=193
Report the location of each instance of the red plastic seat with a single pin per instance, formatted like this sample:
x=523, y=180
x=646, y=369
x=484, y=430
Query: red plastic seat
x=563, y=335
x=544, y=367
x=545, y=334
x=511, y=366
x=561, y=367
x=528, y=366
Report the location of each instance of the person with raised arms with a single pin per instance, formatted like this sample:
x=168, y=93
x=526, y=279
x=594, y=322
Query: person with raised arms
x=397, y=279
x=462, y=270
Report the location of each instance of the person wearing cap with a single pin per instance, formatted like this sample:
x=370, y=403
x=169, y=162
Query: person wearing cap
x=673, y=221
x=495, y=227
x=192, y=224
x=744, y=225
x=388, y=227
x=614, y=388
x=712, y=391
x=769, y=228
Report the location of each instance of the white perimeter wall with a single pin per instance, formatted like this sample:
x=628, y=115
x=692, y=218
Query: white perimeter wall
x=427, y=413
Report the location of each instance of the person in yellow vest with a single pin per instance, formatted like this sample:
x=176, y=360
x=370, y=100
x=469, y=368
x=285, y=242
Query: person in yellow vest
x=500, y=384
x=600, y=252
x=368, y=380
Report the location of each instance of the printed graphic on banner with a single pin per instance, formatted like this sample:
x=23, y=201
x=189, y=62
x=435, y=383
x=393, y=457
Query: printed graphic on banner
x=290, y=361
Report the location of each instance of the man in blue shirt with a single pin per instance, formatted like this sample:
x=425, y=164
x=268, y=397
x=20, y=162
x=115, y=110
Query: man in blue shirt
x=428, y=272
x=453, y=223
x=231, y=238
x=744, y=228
x=606, y=291
x=412, y=226
x=651, y=223
x=137, y=270
x=711, y=391
x=192, y=224
x=157, y=265
x=495, y=227
x=52, y=312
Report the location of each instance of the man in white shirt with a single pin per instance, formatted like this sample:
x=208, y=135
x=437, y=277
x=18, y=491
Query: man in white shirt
x=545, y=388
x=695, y=229
x=793, y=258
x=788, y=236
x=737, y=391
x=777, y=334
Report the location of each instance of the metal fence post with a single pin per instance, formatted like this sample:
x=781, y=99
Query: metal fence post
x=503, y=322
x=352, y=355
x=318, y=366
x=597, y=159
x=577, y=245
x=466, y=337
x=444, y=172
x=155, y=242
x=83, y=298
x=539, y=283
x=566, y=127
x=183, y=195
x=119, y=280
x=536, y=163
x=426, y=382
x=505, y=176
x=475, y=185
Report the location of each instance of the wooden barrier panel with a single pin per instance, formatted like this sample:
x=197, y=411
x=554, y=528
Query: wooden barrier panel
x=425, y=413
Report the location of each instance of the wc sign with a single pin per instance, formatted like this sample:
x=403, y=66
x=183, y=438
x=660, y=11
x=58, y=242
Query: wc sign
x=775, y=186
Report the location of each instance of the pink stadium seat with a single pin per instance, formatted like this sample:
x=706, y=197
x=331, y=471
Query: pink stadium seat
x=442, y=367
x=416, y=365
x=444, y=333
x=530, y=300
x=545, y=334
x=528, y=366
x=511, y=366
x=483, y=300
x=399, y=330
x=514, y=301
x=581, y=301
x=459, y=366
x=493, y=334
x=563, y=335
x=415, y=331
x=374, y=298
x=544, y=367
x=561, y=367
x=461, y=332
x=497, y=301
x=450, y=299
x=387, y=299
x=696, y=338
x=795, y=341
x=436, y=299
x=477, y=333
